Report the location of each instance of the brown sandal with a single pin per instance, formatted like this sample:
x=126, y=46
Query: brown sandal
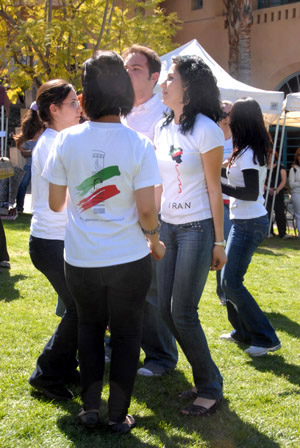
x=188, y=395
x=200, y=411
x=89, y=419
x=123, y=428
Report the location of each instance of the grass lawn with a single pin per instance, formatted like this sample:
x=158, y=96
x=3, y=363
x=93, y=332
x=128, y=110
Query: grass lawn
x=262, y=396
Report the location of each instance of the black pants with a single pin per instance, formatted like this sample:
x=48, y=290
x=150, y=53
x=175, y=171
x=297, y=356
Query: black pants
x=58, y=360
x=279, y=211
x=3, y=248
x=114, y=293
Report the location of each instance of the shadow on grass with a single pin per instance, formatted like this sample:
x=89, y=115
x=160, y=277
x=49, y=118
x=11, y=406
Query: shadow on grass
x=283, y=323
x=272, y=246
x=277, y=365
x=7, y=288
x=164, y=425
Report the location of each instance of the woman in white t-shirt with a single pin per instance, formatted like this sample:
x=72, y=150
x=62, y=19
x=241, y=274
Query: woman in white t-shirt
x=189, y=148
x=110, y=172
x=56, y=108
x=246, y=175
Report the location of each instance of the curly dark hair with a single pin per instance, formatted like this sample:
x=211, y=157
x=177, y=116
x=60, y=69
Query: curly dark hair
x=201, y=93
x=106, y=86
x=248, y=130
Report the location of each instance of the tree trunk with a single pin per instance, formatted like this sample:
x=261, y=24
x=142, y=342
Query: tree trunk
x=245, y=42
x=232, y=10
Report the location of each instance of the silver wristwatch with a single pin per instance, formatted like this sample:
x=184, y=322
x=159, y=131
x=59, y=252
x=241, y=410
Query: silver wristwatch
x=220, y=243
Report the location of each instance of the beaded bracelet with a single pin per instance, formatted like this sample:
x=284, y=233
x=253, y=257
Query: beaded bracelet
x=152, y=232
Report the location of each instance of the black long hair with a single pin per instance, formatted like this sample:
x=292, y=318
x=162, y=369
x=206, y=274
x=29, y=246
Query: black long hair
x=106, y=86
x=248, y=130
x=201, y=93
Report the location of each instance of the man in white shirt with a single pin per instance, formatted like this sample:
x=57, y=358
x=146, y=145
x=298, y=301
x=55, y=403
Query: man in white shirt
x=143, y=66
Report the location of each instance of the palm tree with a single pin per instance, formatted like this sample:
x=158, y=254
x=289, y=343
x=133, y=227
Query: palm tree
x=239, y=20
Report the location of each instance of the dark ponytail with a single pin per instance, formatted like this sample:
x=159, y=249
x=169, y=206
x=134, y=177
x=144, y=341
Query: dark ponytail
x=30, y=126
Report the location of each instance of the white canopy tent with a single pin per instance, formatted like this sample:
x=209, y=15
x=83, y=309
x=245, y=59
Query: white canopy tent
x=290, y=117
x=231, y=89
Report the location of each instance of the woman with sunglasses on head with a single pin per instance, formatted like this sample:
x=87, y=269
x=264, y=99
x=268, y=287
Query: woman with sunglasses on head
x=110, y=172
x=56, y=108
x=189, y=148
x=246, y=173
x=294, y=183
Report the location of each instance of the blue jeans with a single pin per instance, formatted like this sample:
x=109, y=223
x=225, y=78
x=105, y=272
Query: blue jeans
x=250, y=324
x=57, y=362
x=23, y=187
x=227, y=227
x=182, y=275
x=114, y=293
x=158, y=342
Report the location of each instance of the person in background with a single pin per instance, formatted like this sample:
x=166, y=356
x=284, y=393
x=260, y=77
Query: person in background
x=224, y=124
x=4, y=257
x=26, y=141
x=56, y=108
x=143, y=66
x=189, y=148
x=294, y=183
x=279, y=207
x=111, y=208
x=246, y=173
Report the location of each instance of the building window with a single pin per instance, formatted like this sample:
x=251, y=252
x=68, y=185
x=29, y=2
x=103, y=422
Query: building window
x=197, y=4
x=269, y=3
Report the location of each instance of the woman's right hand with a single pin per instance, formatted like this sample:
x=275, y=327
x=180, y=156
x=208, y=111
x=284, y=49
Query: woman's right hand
x=157, y=249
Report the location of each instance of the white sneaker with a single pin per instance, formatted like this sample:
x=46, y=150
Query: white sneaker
x=144, y=372
x=286, y=237
x=261, y=351
x=155, y=371
x=228, y=337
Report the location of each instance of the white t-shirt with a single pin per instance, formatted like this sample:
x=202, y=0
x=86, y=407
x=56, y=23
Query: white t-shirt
x=228, y=148
x=143, y=118
x=185, y=196
x=45, y=223
x=102, y=164
x=240, y=209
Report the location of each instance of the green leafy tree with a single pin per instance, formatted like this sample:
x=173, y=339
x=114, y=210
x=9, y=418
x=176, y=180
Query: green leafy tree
x=40, y=40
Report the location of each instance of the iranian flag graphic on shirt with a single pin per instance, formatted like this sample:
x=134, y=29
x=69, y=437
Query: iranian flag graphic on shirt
x=102, y=193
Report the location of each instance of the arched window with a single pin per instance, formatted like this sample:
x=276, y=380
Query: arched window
x=290, y=84
x=291, y=140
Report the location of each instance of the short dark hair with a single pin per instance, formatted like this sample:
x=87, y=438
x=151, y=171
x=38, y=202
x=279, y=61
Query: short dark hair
x=106, y=86
x=153, y=60
x=201, y=93
x=248, y=129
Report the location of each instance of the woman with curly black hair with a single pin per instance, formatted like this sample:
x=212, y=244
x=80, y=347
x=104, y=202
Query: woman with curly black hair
x=189, y=147
x=246, y=174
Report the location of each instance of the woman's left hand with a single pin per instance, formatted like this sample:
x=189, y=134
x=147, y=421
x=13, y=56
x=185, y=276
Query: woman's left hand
x=219, y=258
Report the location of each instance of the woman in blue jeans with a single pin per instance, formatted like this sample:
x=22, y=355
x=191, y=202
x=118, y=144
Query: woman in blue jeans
x=189, y=148
x=246, y=174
